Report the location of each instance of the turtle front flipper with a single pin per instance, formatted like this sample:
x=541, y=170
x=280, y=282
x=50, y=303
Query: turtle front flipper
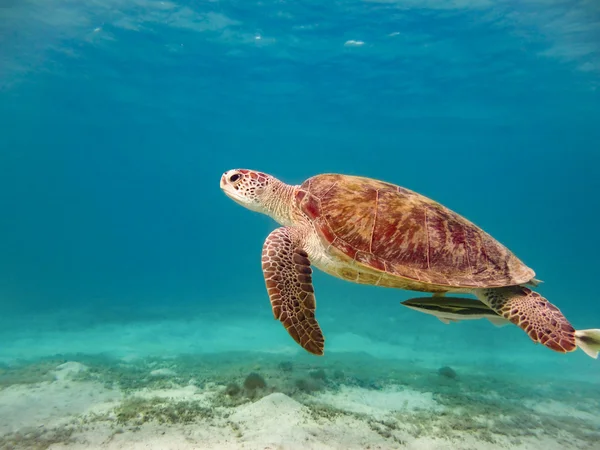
x=539, y=318
x=288, y=278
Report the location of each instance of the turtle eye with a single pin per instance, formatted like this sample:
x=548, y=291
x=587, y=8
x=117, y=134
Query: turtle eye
x=233, y=178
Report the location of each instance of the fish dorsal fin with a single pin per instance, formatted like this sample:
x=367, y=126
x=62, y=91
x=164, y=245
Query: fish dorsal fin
x=498, y=321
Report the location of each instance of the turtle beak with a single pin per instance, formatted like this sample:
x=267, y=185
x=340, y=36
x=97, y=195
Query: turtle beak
x=227, y=187
x=223, y=180
x=225, y=184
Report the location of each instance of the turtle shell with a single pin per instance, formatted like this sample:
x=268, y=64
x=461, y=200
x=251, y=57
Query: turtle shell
x=392, y=229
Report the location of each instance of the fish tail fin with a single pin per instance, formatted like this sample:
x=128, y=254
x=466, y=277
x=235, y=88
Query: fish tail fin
x=588, y=341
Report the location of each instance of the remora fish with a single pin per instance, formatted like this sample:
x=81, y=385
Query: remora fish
x=455, y=309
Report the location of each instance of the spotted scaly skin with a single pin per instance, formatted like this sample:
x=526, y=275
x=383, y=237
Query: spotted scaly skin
x=540, y=319
x=288, y=277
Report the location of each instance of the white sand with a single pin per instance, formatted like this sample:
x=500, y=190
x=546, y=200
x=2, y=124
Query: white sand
x=374, y=419
x=381, y=403
x=276, y=421
x=50, y=404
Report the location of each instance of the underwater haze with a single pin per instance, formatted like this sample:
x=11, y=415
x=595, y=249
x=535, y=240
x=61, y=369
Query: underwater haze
x=134, y=309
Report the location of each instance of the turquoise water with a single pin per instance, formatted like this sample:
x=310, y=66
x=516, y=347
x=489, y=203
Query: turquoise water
x=119, y=251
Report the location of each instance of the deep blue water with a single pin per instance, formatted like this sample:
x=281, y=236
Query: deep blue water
x=119, y=251
x=118, y=119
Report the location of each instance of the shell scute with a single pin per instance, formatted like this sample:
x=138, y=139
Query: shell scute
x=325, y=231
x=345, y=247
x=300, y=194
x=400, y=235
x=311, y=208
x=369, y=259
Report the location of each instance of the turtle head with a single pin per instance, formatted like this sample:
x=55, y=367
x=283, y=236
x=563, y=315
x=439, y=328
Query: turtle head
x=246, y=187
x=258, y=192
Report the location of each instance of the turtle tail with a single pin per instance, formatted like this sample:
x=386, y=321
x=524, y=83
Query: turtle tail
x=588, y=341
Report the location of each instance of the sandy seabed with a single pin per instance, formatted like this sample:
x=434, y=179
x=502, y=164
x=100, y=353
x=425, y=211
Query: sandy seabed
x=127, y=395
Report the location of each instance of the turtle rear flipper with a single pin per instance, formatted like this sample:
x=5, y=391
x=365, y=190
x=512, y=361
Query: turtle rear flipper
x=588, y=341
x=539, y=318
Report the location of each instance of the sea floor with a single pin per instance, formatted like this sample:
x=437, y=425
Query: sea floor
x=216, y=382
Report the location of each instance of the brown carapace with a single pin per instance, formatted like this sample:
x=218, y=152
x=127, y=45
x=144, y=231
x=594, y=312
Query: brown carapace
x=395, y=230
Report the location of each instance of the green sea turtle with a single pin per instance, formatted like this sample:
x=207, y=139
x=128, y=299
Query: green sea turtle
x=372, y=232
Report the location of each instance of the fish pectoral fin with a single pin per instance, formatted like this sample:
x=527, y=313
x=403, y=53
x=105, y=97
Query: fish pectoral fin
x=446, y=321
x=498, y=321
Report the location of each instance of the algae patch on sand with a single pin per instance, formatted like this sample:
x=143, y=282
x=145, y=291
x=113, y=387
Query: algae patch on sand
x=138, y=410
